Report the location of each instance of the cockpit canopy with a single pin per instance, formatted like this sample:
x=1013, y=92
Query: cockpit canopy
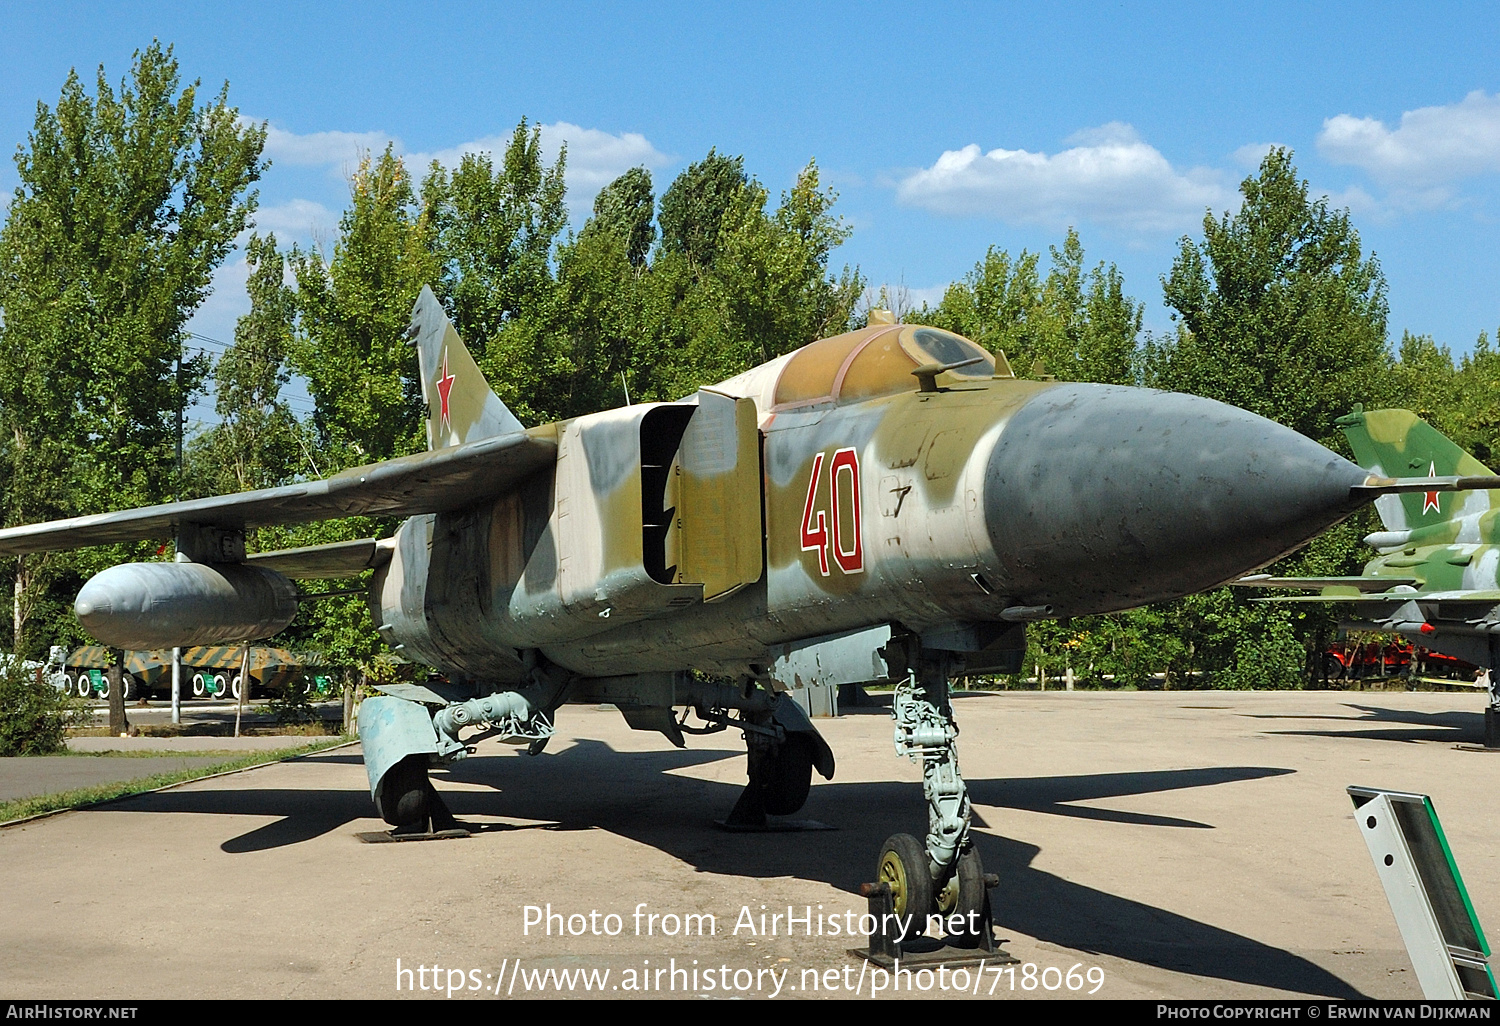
x=864, y=364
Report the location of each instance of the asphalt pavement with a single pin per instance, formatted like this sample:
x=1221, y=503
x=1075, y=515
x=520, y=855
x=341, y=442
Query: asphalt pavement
x=1170, y=845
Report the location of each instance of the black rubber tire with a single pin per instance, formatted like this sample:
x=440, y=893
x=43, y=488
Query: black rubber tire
x=965, y=895
x=1332, y=668
x=903, y=866
x=789, y=776
x=402, y=799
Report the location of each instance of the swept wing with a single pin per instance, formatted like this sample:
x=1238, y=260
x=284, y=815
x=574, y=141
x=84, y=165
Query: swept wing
x=427, y=482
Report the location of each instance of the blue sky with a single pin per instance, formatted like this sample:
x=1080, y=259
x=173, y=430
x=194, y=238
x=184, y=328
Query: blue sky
x=945, y=129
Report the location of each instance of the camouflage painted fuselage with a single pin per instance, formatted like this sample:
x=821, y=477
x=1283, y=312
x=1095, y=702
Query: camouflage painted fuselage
x=826, y=492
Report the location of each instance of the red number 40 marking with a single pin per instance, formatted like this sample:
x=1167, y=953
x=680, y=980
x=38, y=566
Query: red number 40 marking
x=843, y=472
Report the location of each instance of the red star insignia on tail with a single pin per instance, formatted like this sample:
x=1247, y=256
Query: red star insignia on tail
x=1430, y=499
x=445, y=387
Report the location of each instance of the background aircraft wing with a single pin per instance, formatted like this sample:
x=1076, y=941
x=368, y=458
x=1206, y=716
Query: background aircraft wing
x=427, y=482
x=1310, y=583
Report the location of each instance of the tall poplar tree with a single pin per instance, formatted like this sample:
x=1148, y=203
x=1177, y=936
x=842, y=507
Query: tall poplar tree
x=257, y=443
x=129, y=199
x=1280, y=312
x=353, y=313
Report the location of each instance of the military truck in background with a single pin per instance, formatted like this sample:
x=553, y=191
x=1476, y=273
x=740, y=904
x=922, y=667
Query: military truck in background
x=208, y=671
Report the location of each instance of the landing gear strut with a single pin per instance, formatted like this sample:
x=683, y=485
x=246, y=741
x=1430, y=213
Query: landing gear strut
x=944, y=875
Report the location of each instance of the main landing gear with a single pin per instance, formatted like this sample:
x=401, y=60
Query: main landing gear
x=783, y=749
x=407, y=800
x=942, y=877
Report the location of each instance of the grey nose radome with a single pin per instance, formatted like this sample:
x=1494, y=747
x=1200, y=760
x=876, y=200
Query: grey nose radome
x=1127, y=496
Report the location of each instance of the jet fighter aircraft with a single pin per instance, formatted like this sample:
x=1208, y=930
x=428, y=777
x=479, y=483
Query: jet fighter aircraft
x=887, y=504
x=1436, y=574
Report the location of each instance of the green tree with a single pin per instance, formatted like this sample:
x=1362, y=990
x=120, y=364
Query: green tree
x=350, y=343
x=258, y=441
x=611, y=313
x=765, y=292
x=624, y=208
x=34, y=715
x=129, y=199
x=1279, y=311
x=494, y=233
x=1078, y=324
x=694, y=205
x=353, y=313
x=1464, y=401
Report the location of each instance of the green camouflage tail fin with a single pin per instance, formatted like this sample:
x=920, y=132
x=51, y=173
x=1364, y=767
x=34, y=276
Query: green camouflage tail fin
x=461, y=407
x=1398, y=443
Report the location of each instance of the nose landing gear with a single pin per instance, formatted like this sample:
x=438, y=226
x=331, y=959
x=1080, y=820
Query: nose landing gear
x=941, y=883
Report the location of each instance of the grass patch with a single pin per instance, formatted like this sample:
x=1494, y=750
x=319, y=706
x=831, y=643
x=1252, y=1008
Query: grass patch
x=23, y=807
x=326, y=728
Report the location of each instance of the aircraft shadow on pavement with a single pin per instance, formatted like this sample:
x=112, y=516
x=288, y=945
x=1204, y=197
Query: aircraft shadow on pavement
x=1408, y=725
x=640, y=796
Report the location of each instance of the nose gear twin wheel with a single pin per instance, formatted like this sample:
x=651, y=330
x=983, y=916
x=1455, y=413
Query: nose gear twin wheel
x=965, y=895
x=942, y=877
x=903, y=867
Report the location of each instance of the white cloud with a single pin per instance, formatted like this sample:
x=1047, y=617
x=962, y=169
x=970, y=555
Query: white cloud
x=1421, y=159
x=1356, y=200
x=1110, y=176
x=315, y=148
x=595, y=158
x=1251, y=154
x=297, y=220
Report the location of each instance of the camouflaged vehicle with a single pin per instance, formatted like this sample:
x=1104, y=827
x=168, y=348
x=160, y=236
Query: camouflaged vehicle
x=891, y=504
x=211, y=671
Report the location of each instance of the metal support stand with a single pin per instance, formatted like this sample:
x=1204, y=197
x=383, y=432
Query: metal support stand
x=890, y=950
x=1492, y=711
x=239, y=708
x=176, y=685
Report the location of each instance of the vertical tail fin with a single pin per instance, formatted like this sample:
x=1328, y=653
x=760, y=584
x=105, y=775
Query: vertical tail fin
x=461, y=407
x=1398, y=443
